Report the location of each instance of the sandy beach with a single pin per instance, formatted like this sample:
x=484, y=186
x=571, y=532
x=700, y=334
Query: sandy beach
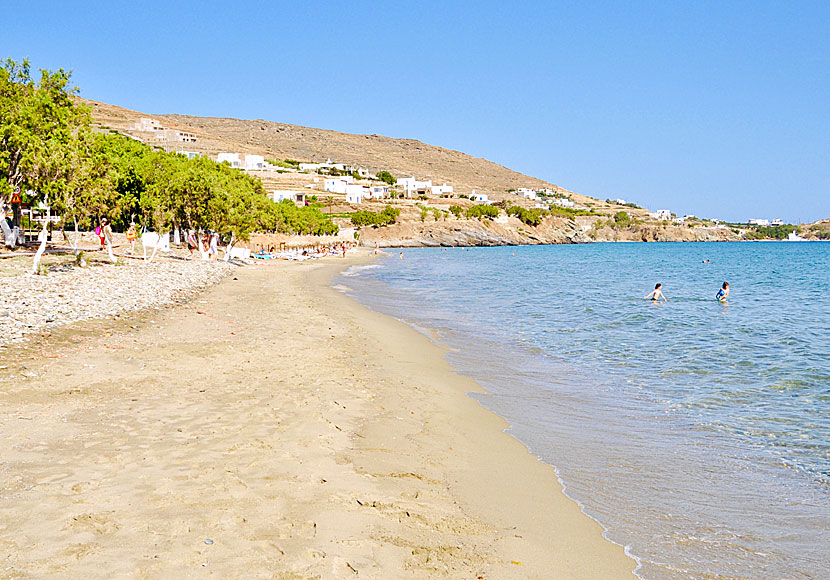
x=270, y=428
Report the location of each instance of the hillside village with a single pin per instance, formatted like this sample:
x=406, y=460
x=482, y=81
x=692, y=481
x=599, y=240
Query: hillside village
x=434, y=196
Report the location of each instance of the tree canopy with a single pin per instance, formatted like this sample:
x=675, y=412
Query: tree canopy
x=48, y=146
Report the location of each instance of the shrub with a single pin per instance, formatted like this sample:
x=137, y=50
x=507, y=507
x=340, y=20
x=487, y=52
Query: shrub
x=387, y=177
x=482, y=210
x=456, y=210
x=370, y=218
x=622, y=219
x=531, y=217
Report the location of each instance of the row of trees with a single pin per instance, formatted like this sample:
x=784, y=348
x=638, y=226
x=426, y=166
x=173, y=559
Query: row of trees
x=48, y=146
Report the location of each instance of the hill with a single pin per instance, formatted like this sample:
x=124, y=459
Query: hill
x=427, y=223
x=401, y=157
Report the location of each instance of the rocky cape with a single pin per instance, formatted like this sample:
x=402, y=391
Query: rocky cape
x=511, y=231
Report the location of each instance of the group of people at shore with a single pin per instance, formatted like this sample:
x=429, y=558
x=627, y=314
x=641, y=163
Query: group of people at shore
x=206, y=243
x=656, y=294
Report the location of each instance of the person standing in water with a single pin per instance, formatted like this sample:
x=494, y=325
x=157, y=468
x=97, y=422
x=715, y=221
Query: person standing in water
x=656, y=294
x=723, y=293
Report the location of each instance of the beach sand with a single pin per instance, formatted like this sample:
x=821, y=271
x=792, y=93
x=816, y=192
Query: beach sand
x=271, y=428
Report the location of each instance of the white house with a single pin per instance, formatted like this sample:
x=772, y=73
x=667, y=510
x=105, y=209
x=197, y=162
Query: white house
x=254, y=162
x=175, y=135
x=338, y=184
x=758, y=222
x=562, y=202
x=378, y=192
x=662, y=214
x=355, y=193
x=528, y=193
x=147, y=124
x=412, y=186
x=679, y=220
x=777, y=222
x=189, y=154
x=441, y=189
x=479, y=197
x=327, y=165
x=231, y=158
x=620, y=201
x=291, y=195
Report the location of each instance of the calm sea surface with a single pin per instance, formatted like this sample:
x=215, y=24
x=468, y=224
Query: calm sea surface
x=696, y=433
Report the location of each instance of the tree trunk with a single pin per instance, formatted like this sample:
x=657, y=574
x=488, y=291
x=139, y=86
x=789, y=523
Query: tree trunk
x=39, y=254
x=229, y=247
x=74, y=245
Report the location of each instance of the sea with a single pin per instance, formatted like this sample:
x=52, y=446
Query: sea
x=697, y=433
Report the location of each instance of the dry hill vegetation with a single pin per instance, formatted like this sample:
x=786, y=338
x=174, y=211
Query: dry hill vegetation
x=430, y=223
x=401, y=157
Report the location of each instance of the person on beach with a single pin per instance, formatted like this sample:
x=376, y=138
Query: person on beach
x=204, y=245
x=723, y=293
x=99, y=231
x=131, y=236
x=190, y=238
x=106, y=232
x=401, y=256
x=656, y=294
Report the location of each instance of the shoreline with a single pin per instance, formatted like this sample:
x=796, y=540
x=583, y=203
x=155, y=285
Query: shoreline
x=278, y=427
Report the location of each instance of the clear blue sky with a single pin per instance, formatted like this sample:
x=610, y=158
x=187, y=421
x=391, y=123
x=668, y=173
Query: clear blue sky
x=719, y=109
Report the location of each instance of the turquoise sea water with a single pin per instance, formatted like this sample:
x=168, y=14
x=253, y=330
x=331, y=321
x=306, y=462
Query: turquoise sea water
x=696, y=433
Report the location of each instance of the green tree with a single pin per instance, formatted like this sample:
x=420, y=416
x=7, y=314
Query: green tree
x=387, y=177
x=482, y=210
x=37, y=120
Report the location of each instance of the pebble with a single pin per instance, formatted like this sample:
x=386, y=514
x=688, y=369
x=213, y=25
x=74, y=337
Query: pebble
x=31, y=303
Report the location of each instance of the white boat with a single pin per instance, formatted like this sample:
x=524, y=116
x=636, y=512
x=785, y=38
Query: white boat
x=794, y=237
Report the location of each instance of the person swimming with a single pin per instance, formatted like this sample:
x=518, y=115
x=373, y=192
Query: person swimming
x=656, y=294
x=723, y=293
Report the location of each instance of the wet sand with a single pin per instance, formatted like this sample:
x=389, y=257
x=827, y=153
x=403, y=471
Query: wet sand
x=271, y=428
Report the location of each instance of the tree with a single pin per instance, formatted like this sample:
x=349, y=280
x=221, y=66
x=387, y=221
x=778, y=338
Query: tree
x=37, y=120
x=387, y=177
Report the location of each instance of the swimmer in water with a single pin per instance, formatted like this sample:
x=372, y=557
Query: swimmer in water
x=656, y=294
x=723, y=293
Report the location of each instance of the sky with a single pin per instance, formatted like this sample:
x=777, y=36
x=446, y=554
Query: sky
x=717, y=109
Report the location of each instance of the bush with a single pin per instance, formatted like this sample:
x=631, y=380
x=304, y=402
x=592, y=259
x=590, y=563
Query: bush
x=622, y=219
x=370, y=218
x=482, y=210
x=387, y=177
x=531, y=217
x=770, y=232
x=456, y=210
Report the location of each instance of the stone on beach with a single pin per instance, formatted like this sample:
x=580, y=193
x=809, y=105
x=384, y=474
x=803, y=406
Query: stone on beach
x=30, y=304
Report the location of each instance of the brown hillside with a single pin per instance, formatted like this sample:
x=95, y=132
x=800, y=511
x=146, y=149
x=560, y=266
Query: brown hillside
x=401, y=157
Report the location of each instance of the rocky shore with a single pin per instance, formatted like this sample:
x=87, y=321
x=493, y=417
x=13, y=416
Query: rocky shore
x=509, y=231
x=30, y=304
